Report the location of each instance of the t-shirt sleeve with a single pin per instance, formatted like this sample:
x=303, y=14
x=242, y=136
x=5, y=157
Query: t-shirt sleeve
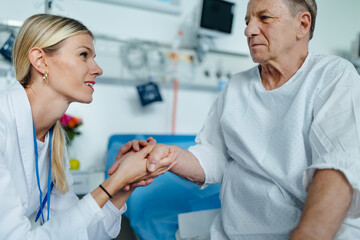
x=335, y=131
x=210, y=148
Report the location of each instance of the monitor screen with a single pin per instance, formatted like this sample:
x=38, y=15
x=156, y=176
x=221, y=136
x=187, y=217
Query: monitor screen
x=217, y=15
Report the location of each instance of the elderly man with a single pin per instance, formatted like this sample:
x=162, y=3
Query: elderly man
x=283, y=138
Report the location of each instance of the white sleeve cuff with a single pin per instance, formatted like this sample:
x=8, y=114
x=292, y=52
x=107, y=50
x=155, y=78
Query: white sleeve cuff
x=90, y=210
x=112, y=220
x=111, y=209
x=212, y=162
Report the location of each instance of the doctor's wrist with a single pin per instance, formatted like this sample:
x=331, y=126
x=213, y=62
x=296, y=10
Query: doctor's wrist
x=111, y=185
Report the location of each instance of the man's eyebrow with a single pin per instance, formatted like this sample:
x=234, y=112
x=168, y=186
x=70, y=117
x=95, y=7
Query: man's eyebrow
x=257, y=13
x=262, y=12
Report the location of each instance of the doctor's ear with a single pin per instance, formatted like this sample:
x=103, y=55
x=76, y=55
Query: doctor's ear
x=304, y=24
x=37, y=60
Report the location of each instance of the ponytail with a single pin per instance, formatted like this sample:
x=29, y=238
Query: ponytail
x=58, y=161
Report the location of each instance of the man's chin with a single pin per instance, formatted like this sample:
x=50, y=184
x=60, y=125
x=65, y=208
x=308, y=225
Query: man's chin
x=256, y=59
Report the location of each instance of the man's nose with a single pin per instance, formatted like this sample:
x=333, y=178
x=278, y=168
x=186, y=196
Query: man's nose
x=252, y=29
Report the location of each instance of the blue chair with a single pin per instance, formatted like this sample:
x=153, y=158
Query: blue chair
x=152, y=210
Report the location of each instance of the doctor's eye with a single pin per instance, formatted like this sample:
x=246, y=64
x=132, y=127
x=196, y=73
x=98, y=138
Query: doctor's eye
x=264, y=17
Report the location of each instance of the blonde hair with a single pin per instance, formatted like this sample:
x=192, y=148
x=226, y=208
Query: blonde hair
x=46, y=31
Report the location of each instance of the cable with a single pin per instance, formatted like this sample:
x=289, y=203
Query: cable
x=174, y=108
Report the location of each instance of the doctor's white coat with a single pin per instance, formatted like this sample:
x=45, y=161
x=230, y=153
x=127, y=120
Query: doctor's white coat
x=70, y=218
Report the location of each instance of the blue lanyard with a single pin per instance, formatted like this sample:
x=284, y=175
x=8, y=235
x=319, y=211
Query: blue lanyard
x=50, y=183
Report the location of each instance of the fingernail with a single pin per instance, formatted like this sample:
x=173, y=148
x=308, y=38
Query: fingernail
x=152, y=167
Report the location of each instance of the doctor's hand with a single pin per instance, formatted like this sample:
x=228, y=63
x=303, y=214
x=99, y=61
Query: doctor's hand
x=132, y=166
x=127, y=149
x=167, y=161
x=131, y=169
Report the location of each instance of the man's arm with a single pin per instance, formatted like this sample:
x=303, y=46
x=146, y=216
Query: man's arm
x=328, y=201
x=187, y=165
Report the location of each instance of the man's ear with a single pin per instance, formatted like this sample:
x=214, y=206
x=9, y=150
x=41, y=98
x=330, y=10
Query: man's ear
x=303, y=25
x=37, y=60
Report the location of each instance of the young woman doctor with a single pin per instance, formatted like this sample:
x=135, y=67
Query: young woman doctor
x=54, y=64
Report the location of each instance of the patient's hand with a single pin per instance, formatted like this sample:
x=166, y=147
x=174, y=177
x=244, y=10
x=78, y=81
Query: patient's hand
x=156, y=156
x=167, y=161
x=125, y=150
x=133, y=167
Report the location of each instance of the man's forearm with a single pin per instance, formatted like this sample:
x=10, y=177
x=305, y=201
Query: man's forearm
x=187, y=166
x=329, y=198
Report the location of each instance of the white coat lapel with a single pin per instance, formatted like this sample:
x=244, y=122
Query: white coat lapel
x=24, y=124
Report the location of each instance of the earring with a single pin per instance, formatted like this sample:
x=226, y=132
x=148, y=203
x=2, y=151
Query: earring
x=45, y=77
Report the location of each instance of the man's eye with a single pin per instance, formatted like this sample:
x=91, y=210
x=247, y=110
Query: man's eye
x=83, y=54
x=264, y=17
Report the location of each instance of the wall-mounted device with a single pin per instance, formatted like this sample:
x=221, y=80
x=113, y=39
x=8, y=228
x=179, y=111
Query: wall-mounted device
x=209, y=21
x=6, y=47
x=216, y=18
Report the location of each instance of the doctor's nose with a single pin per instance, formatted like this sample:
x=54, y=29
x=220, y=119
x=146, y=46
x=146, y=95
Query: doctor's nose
x=97, y=70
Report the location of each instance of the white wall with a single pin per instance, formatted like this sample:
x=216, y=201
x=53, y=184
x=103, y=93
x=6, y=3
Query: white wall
x=116, y=108
x=127, y=22
x=336, y=25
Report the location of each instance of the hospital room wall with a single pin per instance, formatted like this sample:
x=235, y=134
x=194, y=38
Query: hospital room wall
x=116, y=108
x=337, y=26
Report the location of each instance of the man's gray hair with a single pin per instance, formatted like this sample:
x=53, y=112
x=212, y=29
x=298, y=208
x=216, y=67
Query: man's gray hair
x=296, y=6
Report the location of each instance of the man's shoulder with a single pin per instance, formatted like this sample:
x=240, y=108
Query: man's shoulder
x=246, y=74
x=245, y=77
x=323, y=62
x=329, y=70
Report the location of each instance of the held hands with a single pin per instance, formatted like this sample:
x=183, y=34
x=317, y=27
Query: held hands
x=133, y=165
x=131, y=169
x=159, y=160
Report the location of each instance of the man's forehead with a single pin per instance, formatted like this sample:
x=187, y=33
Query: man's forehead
x=264, y=6
x=269, y=2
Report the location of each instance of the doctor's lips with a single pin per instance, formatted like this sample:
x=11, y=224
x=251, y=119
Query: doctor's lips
x=90, y=84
